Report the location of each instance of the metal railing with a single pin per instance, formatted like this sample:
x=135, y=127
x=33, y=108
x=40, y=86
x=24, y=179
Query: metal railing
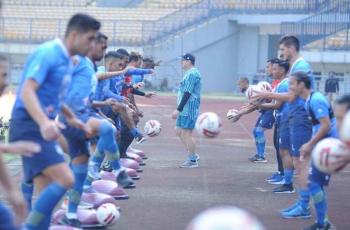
x=333, y=19
x=135, y=32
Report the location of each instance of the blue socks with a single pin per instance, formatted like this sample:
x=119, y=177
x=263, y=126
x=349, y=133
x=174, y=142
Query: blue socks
x=27, y=191
x=320, y=202
x=304, y=198
x=288, y=176
x=40, y=216
x=260, y=141
x=80, y=172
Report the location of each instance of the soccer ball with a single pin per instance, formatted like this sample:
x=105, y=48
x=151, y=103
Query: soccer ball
x=208, y=124
x=227, y=217
x=265, y=86
x=325, y=153
x=107, y=214
x=262, y=86
x=152, y=128
x=345, y=130
x=232, y=115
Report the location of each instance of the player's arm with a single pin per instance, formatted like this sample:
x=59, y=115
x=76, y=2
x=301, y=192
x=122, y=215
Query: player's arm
x=273, y=105
x=141, y=93
x=138, y=71
x=285, y=97
x=247, y=109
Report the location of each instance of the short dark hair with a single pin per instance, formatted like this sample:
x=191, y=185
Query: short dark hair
x=113, y=54
x=82, y=23
x=344, y=100
x=272, y=60
x=135, y=57
x=290, y=40
x=100, y=36
x=244, y=79
x=303, y=77
x=123, y=52
x=283, y=64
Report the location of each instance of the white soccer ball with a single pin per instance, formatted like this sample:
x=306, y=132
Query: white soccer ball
x=252, y=90
x=152, y=128
x=345, y=130
x=325, y=153
x=208, y=124
x=265, y=86
x=107, y=214
x=228, y=218
x=232, y=115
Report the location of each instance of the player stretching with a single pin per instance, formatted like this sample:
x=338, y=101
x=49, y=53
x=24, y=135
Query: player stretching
x=188, y=103
x=323, y=125
x=45, y=80
x=299, y=125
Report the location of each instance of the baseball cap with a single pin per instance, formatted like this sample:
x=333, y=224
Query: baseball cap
x=189, y=57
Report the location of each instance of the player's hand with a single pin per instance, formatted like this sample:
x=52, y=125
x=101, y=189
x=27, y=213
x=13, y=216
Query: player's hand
x=175, y=114
x=110, y=101
x=305, y=151
x=149, y=95
x=16, y=200
x=77, y=123
x=25, y=148
x=138, y=85
x=153, y=72
x=50, y=130
x=260, y=95
x=341, y=161
x=139, y=113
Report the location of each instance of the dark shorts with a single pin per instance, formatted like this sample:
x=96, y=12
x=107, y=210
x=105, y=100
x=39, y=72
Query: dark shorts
x=108, y=112
x=6, y=218
x=284, y=135
x=300, y=133
x=265, y=120
x=78, y=144
x=318, y=177
x=50, y=154
x=185, y=122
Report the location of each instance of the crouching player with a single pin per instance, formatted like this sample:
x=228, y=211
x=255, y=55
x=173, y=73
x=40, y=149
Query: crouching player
x=323, y=125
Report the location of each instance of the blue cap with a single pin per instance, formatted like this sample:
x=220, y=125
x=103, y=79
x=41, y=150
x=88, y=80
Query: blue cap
x=189, y=57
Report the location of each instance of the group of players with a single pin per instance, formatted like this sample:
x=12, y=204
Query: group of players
x=66, y=103
x=301, y=117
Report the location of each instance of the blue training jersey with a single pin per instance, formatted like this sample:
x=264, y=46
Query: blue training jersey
x=282, y=112
x=83, y=84
x=296, y=107
x=318, y=107
x=51, y=68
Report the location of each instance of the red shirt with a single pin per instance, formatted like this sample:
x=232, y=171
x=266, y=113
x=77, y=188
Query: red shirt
x=274, y=83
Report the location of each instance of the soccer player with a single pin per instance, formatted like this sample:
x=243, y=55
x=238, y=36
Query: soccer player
x=323, y=125
x=299, y=125
x=342, y=106
x=12, y=194
x=188, y=103
x=280, y=70
x=45, y=79
x=78, y=97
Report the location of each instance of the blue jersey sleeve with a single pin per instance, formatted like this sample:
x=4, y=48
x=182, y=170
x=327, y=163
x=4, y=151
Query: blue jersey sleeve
x=138, y=71
x=283, y=87
x=39, y=66
x=319, y=106
x=191, y=82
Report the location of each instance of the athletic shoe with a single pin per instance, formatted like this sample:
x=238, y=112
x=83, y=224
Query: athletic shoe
x=123, y=179
x=293, y=206
x=106, y=166
x=190, y=164
x=70, y=222
x=279, y=180
x=285, y=188
x=197, y=157
x=298, y=212
x=94, y=171
x=257, y=159
x=273, y=176
x=139, y=139
x=317, y=226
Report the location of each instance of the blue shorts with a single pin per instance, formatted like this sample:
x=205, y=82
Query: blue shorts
x=50, y=154
x=266, y=119
x=284, y=135
x=6, y=218
x=300, y=133
x=78, y=144
x=318, y=177
x=185, y=122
